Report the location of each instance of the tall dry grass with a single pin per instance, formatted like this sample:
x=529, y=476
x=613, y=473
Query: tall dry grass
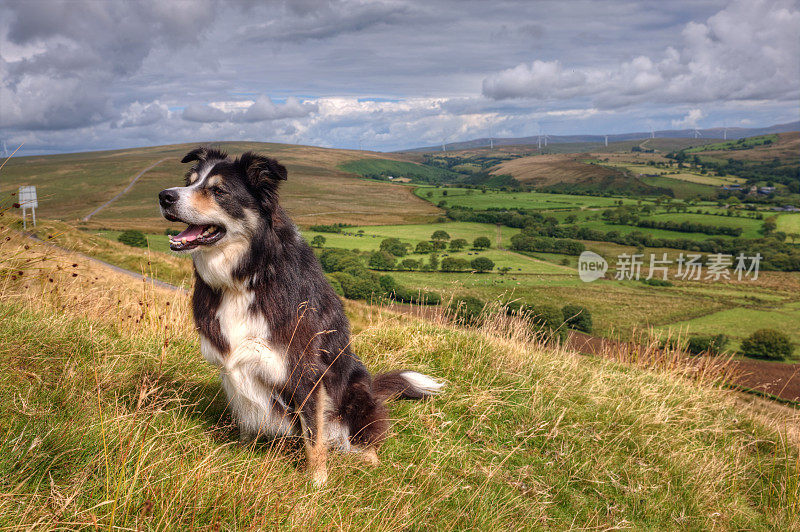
x=111, y=420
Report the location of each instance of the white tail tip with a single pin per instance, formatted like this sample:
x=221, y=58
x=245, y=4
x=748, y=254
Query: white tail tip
x=423, y=383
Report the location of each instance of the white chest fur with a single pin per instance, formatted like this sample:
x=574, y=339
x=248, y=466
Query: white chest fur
x=253, y=370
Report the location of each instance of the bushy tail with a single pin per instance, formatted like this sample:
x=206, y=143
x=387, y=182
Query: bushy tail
x=404, y=384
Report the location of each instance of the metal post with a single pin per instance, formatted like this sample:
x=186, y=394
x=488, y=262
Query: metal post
x=33, y=213
x=24, y=224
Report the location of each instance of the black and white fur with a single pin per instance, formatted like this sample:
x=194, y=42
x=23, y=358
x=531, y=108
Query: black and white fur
x=270, y=320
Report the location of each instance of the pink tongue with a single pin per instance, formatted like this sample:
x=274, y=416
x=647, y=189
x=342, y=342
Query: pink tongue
x=191, y=232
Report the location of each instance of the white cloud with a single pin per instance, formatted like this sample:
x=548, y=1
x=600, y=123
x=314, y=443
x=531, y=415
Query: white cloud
x=747, y=51
x=690, y=120
x=261, y=110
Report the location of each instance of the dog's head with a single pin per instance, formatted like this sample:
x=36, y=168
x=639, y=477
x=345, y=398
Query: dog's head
x=223, y=199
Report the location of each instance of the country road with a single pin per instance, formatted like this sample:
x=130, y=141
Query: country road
x=125, y=190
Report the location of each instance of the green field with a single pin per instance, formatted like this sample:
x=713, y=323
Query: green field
x=789, y=223
x=155, y=242
x=401, y=169
x=750, y=227
x=681, y=175
x=738, y=323
x=515, y=200
x=680, y=188
x=745, y=143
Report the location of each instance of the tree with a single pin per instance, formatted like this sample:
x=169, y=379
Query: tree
x=577, y=317
x=481, y=242
x=423, y=247
x=433, y=263
x=767, y=343
x=134, y=238
x=482, y=264
x=466, y=309
x=458, y=244
x=394, y=246
x=440, y=236
x=452, y=264
x=410, y=264
x=381, y=260
x=318, y=241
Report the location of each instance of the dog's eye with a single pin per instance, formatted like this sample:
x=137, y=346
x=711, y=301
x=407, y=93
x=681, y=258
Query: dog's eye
x=218, y=191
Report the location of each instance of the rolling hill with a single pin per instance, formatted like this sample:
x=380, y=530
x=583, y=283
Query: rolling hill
x=71, y=186
x=706, y=136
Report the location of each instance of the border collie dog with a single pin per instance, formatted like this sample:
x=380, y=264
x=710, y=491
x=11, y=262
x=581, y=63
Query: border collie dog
x=270, y=320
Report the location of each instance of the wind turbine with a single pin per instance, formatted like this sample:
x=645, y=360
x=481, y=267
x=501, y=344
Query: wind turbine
x=5, y=149
x=725, y=132
x=652, y=133
x=697, y=134
x=542, y=136
x=444, y=142
x=606, y=140
x=491, y=136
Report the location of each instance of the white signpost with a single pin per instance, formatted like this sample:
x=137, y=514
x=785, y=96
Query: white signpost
x=28, y=200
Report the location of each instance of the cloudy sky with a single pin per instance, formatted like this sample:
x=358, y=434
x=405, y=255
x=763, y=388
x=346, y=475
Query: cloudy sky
x=386, y=75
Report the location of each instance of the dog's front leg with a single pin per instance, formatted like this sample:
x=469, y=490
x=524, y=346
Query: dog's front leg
x=311, y=398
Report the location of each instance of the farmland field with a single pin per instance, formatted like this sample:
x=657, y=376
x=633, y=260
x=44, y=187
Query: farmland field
x=682, y=189
x=515, y=200
x=789, y=223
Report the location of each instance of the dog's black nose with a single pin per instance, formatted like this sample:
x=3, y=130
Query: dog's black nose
x=167, y=197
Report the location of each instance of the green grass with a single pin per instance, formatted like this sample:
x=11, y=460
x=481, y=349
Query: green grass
x=680, y=188
x=156, y=242
x=515, y=200
x=750, y=227
x=157, y=262
x=369, y=167
x=738, y=323
x=789, y=223
x=746, y=143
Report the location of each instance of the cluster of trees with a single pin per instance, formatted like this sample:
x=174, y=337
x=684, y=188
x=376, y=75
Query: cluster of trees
x=351, y=279
x=690, y=227
x=133, y=237
x=546, y=319
x=478, y=264
x=330, y=228
x=510, y=218
x=777, y=254
x=392, y=250
x=529, y=240
x=775, y=170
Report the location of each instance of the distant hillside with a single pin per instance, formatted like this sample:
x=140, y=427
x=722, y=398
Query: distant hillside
x=70, y=186
x=599, y=140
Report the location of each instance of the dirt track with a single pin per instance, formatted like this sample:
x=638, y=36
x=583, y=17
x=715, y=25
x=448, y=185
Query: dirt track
x=775, y=378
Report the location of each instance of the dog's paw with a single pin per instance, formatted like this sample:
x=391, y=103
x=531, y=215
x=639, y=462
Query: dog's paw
x=369, y=456
x=319, y=477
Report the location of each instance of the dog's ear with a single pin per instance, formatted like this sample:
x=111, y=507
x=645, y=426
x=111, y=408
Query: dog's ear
x=203, y=154
x=262, y=172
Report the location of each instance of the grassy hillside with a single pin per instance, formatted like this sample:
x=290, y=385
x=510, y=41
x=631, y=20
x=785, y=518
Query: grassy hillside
x=71, y=186
x=543, y=170
x=111, y=419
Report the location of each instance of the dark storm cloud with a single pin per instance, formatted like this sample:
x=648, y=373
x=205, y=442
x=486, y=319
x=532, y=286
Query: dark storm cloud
x=385, y=74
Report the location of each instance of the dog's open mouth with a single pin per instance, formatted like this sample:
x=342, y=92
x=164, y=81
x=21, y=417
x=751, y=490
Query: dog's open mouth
x=196, y=235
